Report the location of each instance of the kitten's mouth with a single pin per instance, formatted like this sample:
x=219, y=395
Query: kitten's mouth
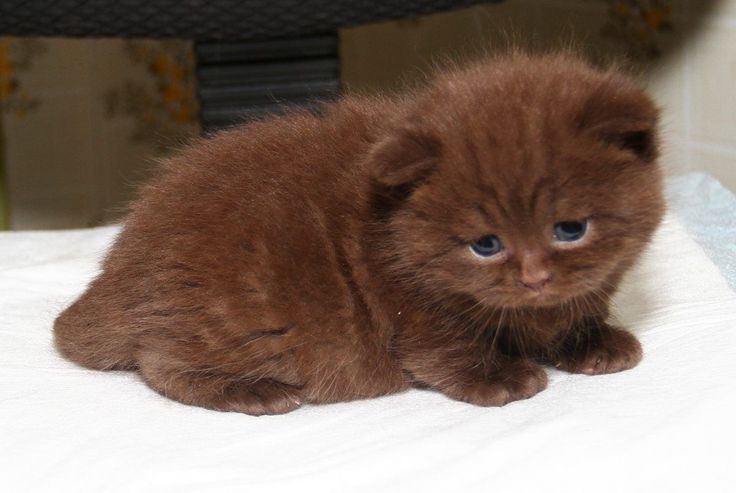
x=543, y=298
x=529, y=299
x=547, y=298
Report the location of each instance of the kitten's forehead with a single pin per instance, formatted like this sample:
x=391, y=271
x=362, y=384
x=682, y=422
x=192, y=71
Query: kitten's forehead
x=526, y=166
x=531, y=139
x=523, y=105
x=523, y=183
x=523, y=137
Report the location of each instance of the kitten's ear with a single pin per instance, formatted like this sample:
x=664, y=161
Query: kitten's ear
x=624, y=117
x=405, y=158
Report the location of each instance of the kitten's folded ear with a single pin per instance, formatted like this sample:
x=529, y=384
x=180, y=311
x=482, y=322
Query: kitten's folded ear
x=405, y=158
x=622, y=115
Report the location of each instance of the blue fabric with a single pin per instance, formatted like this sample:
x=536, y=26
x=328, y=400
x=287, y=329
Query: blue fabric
x=708, y=211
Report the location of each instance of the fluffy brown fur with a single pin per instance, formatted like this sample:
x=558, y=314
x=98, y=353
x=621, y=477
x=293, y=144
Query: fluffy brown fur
x=314, y=259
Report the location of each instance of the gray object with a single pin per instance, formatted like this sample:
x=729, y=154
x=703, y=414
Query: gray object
x=204, y=19
x=708, y=211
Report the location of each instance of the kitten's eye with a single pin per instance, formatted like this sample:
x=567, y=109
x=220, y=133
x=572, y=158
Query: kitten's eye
x=569, y=231
x=486, y=246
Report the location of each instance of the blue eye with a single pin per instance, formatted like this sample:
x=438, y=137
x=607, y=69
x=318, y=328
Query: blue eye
x=569, y=231
x=486, y=246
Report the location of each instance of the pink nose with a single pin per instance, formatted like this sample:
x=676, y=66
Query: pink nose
x=534, y=272
x=539, y=284
x=535, y=277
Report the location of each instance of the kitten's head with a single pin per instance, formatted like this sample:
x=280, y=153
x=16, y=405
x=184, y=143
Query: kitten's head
x=524, y=181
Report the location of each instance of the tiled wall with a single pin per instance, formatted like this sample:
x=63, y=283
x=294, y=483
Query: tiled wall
x=694, y=79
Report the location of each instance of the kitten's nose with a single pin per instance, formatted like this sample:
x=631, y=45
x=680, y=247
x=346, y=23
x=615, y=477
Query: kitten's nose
x=534, y=274
x=537, y=285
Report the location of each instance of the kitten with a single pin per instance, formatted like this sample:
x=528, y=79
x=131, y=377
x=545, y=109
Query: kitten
x=455, y=239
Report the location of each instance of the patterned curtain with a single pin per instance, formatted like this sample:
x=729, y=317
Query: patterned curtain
x=83, y=122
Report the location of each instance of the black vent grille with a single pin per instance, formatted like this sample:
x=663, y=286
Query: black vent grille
x=243, y=80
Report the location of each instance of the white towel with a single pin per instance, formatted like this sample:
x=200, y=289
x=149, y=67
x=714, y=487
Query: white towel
x=667, y=425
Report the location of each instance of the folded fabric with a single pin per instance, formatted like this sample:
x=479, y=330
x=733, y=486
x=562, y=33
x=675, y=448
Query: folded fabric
x=708, y=211
x=666, y=425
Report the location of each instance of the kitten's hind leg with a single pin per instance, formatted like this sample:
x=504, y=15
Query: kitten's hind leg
x=218, y=391
x=94, y=336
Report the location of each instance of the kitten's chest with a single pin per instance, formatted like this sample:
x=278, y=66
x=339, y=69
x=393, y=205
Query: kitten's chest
x=534, y=332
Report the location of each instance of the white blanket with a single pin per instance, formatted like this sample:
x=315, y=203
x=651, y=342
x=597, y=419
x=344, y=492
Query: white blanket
x=667, y=425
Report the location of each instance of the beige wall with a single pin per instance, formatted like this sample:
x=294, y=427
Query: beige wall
x=71, y=159
x=693, y=79
x=70, y=164
x=59, y=154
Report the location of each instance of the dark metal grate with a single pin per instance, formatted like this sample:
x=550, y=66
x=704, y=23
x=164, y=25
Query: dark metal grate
x=239, y=81
x=203, y=19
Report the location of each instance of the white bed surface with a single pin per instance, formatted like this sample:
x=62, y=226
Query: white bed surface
x=667, y=425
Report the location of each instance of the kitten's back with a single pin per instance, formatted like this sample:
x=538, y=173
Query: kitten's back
x=220, y=199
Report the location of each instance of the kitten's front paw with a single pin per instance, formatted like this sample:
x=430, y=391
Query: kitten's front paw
x=263, y=397
x=512, y=382
x=605, y=350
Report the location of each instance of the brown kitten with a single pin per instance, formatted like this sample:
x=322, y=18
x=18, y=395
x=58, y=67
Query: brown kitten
x=455, y=239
